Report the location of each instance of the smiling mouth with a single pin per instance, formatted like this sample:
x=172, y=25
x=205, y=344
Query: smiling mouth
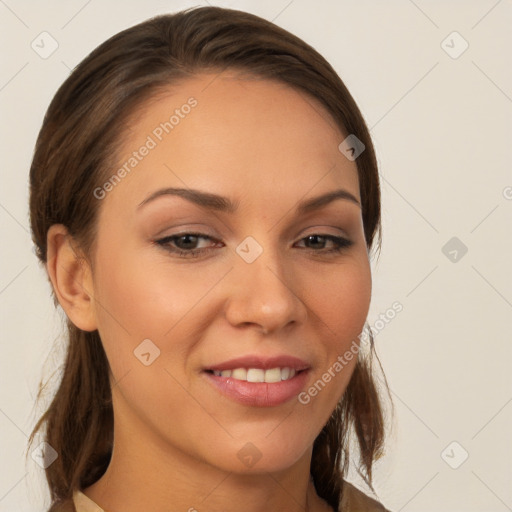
x=259, y=382
x=269, y=376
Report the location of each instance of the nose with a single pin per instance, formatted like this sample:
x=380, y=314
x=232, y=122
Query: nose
x=264, y=294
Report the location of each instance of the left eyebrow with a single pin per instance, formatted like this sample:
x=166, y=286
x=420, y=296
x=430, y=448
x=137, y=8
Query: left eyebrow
x=224, y=204
x=318, y=202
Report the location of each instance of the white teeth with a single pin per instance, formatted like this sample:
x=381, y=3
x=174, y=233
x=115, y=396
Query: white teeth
x=273, y=375
x=239, y=373
x=257, y=374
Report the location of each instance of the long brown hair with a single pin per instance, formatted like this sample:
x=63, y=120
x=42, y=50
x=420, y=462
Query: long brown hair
x=75, y=153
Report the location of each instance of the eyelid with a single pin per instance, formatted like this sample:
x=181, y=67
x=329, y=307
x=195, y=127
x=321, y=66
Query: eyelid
x=324, y=229
x=184, y=228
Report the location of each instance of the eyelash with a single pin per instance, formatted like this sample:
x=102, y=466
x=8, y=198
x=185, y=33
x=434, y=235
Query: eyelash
x=340, y=244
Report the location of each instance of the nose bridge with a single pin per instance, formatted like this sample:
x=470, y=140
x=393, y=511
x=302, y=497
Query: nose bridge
x=263, y=292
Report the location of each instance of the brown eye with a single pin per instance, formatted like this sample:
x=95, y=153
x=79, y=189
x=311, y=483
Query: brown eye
x=185, y=244
x=186, y=241
x=316, y=240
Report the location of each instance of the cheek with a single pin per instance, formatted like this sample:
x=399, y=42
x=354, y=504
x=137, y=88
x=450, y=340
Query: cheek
x=137, y=303
x=340, y=298
x=138, y=298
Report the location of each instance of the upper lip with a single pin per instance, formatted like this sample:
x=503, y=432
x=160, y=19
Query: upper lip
x=263, y=362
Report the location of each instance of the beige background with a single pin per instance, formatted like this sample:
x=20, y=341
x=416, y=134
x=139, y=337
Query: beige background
x=442, y=131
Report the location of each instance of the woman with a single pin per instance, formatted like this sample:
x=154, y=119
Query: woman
x=204, y=197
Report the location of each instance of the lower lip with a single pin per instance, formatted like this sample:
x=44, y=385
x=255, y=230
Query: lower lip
x=259, y=394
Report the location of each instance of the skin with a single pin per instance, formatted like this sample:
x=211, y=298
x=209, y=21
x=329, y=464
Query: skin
x=268, y=147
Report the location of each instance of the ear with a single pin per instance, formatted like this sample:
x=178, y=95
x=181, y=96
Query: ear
x=71, y=278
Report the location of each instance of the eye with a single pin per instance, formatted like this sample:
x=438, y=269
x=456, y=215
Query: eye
x=340, y=243
x=185, y=244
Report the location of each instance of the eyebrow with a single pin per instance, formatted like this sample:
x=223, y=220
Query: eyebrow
x=224, y=204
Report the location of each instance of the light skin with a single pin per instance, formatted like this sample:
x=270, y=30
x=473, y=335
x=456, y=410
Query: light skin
x=267, y=148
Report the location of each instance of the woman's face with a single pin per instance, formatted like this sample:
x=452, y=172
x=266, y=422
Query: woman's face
x=259, y=279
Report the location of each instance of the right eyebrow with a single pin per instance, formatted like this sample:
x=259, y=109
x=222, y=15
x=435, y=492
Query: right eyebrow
x=205, y=199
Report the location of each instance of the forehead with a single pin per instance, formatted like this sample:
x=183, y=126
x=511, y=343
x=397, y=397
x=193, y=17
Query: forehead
x=234, y=135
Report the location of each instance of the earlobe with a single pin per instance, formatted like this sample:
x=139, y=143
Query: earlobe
x=71, y=278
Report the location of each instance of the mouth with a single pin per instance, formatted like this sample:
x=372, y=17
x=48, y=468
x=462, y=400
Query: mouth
x=269, y=376
x=259, y=382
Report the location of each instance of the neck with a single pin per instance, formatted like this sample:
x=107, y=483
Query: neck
x=154, y=476
x=129, y=486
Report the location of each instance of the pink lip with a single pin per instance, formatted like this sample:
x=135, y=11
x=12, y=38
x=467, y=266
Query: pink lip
x=265, y=363
x=259, y=394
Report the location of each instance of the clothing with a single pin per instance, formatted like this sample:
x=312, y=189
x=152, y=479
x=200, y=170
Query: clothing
x=353, y=500
x=85, y=504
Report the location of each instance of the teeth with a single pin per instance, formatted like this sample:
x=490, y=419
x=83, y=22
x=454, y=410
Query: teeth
x=239, y=373
x=257, y=374
x=273, y=375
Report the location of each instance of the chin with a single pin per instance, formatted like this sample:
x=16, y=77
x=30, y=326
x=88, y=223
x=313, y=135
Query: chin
x=266, y=454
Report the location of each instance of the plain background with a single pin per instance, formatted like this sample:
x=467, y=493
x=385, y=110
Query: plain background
x=442, y=131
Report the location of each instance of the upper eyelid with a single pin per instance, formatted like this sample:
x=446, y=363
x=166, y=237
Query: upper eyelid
x=202, y=231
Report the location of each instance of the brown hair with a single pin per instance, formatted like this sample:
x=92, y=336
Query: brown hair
x=75, y=149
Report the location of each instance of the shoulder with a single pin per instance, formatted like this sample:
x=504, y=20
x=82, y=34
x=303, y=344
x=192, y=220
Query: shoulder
x=354, y=500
